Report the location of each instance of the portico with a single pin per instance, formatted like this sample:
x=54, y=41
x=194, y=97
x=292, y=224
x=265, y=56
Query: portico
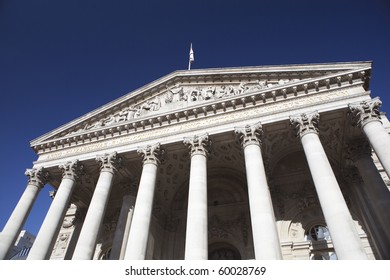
x=240, y=163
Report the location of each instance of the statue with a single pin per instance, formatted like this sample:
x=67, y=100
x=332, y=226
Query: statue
x=262, y=84
x=173, y=94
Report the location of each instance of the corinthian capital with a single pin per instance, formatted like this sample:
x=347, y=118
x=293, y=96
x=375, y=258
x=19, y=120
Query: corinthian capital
x=72, y=170
x=198, y=144
x=151, y=153
x=305, y=123
x=37, y=176
x=250, y=134
x=365, y=112
x=109, y=162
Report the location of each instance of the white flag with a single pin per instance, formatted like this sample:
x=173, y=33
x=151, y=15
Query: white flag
x=191, y=54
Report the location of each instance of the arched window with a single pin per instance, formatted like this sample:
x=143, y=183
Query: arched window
x=223, y=251
x=323, y=256
x=319, y=236
x=318, y=233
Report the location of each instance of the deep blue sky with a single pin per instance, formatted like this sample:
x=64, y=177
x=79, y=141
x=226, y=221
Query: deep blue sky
x=62, y=59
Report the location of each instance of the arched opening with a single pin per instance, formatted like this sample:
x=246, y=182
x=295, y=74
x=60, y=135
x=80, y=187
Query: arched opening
x=223, y=251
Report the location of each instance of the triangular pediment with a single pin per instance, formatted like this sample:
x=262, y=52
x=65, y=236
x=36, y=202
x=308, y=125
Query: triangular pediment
x=186, y=91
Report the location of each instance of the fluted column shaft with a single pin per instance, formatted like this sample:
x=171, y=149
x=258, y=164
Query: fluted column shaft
x=343, y=232
x=140, y=225
x=367, y=116
x=196, y=245
x=265, y=236
x=37, y=179
x=88, y=236
x=48, y=232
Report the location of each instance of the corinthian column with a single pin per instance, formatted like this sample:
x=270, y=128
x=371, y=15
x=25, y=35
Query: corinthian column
x=139, y=231
x=196, y=247
x=344, y=234
x=265, y=235
x=366, y=115
x=37, y=179
x=87, y=240
x=48, y=232
x=375, y=190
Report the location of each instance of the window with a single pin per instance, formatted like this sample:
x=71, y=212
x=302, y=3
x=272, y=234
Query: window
x=322, y=256
x=318, y=233
x=320, y=250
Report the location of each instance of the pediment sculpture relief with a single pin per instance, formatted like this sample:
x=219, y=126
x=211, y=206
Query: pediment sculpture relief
x=181, y=94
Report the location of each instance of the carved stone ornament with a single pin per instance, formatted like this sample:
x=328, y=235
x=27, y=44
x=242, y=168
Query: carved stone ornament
x=37, y=177
x=198, y=144
x=151, y=153
x=250, y=134
x=69, y=222
x=365, y=112
x=109, y=162
x=72, y=170
x=305, y=123
x=186, y=94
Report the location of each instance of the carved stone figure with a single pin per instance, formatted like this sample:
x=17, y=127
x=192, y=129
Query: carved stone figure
x=152, y=105
x=209, y=93
x=196, y=94
x=283, y=81
x=61, y=244
x=221, y=92
x=131, y=113
x=97, y=124
x=262, y=84
x=242, y=87
x=174, y=94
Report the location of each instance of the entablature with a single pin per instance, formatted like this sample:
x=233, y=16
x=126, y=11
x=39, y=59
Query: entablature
x=251, y=95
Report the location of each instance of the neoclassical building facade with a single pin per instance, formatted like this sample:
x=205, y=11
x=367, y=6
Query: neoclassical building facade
x=272, y=162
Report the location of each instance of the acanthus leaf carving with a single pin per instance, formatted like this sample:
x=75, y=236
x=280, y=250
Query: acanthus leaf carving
x=365, y=112
x=72, y=170
x=198, y=144
x=250, y=134
x=305, y=123
x=109, y=162
x=151, y=153
x=37, y=176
